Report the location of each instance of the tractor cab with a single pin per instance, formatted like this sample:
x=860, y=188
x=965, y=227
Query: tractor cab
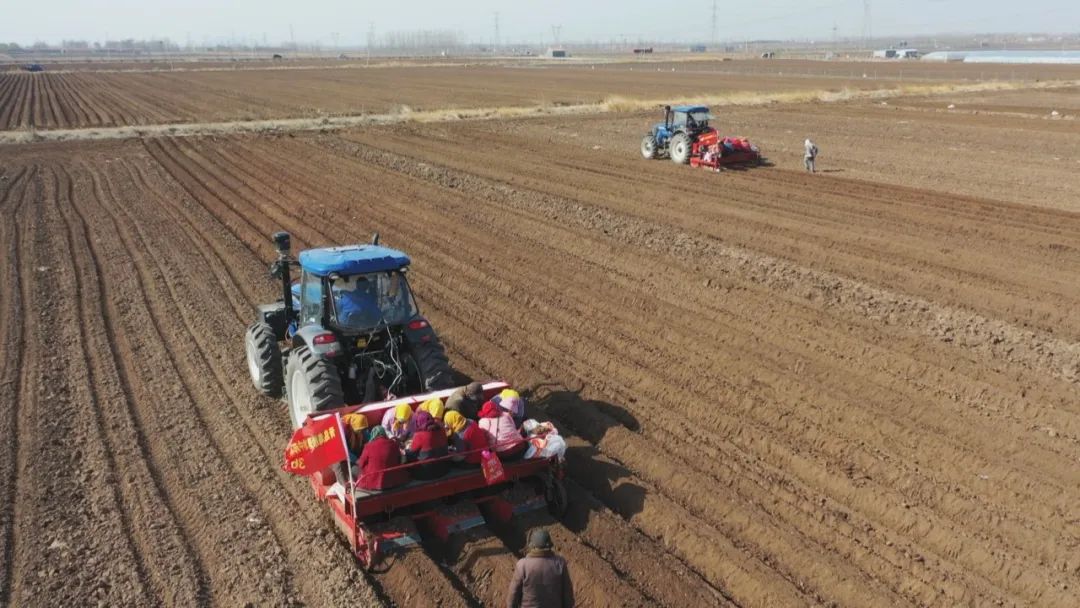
x=348, y=330
x=692, y=119
x=353, y=289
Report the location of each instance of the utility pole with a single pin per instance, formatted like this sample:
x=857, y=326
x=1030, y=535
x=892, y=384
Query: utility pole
x=292, y=38
x=712, y=41
x=495, y=43
x=370, y=39
x=868, y=33
x=335, y=35
x=556, y=30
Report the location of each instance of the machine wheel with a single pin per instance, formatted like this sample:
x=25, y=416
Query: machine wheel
x=680, y=148
x=313, y=385
x=434, y=365
x=648, y=147
x=264, y=359
x=555, y=496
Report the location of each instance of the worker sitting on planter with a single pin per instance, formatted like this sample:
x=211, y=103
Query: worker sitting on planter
x=378, y=461
x=502, y=432
x=428, y=448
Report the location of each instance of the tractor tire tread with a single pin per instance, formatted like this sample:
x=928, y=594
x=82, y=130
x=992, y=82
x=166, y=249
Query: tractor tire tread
x=322, y=377
x=434, y=364
x=271, y=380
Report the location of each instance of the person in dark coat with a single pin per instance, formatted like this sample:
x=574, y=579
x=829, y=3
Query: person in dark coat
x=541, y=578
x=428, y=442
x=466, y=400
x=380, y=453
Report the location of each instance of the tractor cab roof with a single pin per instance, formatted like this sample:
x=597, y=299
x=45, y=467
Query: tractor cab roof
x=352, y=259
x=690, y=109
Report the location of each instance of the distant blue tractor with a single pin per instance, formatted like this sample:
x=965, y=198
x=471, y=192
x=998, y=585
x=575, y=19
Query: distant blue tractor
x=347, y=331
x=674, y=137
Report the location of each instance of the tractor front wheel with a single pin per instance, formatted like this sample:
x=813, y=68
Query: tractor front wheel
x=648, y=147
x=680, y=148
x=312, y=385
x=264, y=359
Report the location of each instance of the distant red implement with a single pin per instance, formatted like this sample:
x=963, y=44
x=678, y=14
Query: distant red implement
x=712, y=151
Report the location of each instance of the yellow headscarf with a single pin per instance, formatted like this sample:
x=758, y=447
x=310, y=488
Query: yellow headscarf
x=355, y=421
x=402, y=413
x=509, y=392
x=455, y=422
x=434, y=407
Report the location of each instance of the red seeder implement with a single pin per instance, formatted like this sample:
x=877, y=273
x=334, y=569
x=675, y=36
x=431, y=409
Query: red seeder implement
x=357, y=512
x=712, y=151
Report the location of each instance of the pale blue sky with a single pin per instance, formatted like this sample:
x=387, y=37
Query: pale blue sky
x=531, y=20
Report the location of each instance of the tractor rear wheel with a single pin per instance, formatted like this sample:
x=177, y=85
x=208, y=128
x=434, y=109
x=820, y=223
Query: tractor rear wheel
x=312, y=385
x=648, y=147
x=680, y=148
x=434, y=365
x=264, y=359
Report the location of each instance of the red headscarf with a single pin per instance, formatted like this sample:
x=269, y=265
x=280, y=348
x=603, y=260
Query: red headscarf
x=489, y=410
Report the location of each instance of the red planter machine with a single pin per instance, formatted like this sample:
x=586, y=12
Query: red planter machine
x=429, y=504
x=712, y=151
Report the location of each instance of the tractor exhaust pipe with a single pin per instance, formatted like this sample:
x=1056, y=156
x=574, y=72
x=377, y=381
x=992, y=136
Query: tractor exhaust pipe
x=281, y=269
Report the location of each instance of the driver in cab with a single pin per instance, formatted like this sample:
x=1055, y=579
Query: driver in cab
x=356, y=302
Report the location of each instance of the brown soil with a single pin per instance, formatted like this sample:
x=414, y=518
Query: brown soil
x=50, y=100
x=852, y=388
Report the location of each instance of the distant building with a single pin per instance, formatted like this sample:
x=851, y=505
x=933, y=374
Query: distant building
x=896, y=54
x=1029, y=56
x=558, y=53
x=697, y=48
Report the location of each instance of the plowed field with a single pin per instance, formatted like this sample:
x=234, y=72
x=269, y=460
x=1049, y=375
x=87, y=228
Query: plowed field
x=50, y=100
x=857, y=388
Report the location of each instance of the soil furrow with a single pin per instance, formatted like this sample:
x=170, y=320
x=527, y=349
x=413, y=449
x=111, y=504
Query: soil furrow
x=141, y=497
x=12, y=327
x=470, y=577
x=413, y=561
x=27, y=241
x=417, y=234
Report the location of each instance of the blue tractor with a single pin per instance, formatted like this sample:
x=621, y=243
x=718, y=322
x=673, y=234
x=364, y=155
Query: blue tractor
x=346, y=331
x=675, y=137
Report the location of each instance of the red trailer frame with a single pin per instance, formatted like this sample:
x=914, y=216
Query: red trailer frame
x=354, y=509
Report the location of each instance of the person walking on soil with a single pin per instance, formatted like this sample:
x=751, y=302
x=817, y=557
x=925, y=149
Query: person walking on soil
x=810, y=157
x=541, y=578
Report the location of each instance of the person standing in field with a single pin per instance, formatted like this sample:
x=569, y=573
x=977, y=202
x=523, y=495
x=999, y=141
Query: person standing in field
x=541, y=578
x=810, y=157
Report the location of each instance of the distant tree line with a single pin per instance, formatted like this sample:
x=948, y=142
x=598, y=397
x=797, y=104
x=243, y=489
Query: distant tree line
x=128, y=44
